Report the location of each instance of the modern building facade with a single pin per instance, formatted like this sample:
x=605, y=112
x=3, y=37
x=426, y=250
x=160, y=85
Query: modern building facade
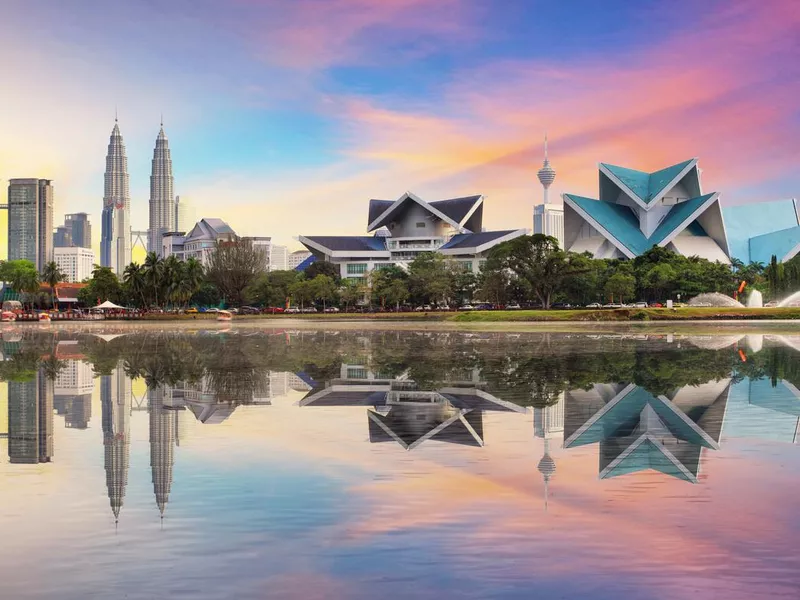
x=30, y=220
x=162, y=200
x=758, y=231
x=201, y=240
x=76, y=231
x=30, y=420
x=408, y=226
x=637, y=210
x=548, y=219
x=115, y=242
x=74, y=262
x=278, y=258
x=296, y=258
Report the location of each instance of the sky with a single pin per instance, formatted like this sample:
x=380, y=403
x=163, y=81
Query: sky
x=285, y=118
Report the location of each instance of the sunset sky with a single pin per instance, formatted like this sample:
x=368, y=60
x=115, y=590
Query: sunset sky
x=286, y=117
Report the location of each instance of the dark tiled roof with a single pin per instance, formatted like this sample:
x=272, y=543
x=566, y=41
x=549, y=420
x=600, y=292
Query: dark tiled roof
x=345, y=243
x=456, y=208
x=376, y=208
x=471, y=240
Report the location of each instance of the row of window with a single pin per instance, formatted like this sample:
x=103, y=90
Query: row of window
x=361, y=268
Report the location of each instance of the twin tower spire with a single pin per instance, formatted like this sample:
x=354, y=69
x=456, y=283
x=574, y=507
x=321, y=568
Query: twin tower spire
x=115, y=243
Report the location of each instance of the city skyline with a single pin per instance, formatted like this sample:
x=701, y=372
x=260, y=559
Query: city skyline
x=479, y=87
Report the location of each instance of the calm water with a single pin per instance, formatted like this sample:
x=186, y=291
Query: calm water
x=363, y=464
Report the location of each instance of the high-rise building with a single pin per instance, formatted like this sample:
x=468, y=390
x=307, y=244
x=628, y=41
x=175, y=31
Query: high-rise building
x=74, y=262
x=548, y=219
x=162, y=201
x=62, y=237
x=30, y=220
x=279, y=258
x=296, y=257
x=79, y=230
x=184, y=214
x=115, y=242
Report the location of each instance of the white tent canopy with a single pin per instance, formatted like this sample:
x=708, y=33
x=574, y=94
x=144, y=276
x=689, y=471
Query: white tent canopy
x=109, y=304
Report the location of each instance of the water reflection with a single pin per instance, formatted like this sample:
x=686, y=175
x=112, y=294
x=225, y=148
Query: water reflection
x=332, y=435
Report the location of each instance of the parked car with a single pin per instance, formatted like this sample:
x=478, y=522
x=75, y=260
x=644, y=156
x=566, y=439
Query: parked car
x=250, y=310
x=192, y=310
x=612, y=305
x=656, y=305
x=274, y=310
x=292, y=310
x=466, y=307
x=484, y=306
x=561, y=305
x=331, y=309
x=594, y=305
x=771, y=304
x=640, y=305
x=513, y=306
x=423, y=308
x=309, y=309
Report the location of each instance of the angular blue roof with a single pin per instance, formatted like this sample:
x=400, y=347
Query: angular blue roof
x=362, y=243
x=647, y=186
x=377, y=208
x=747, y=221
x=621, y=222
x=471, y=240
x=456, y=208
x=649, y=454
x=306, y=263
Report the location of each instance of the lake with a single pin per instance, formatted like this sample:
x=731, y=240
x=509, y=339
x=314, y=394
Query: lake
x=270, y=462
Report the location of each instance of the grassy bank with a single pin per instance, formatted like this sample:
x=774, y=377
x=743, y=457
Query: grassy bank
x=581, y=315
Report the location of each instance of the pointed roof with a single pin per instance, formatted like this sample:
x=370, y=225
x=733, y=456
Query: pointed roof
x=454, y=211
x=647, y=187
x=465, y=427
x=619, y=224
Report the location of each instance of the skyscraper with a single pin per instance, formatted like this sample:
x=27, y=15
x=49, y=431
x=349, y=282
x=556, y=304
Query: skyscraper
x=184, y=215
x=30, y=220
x=115, y=242
x=162, y=202
x=80, y=228
x=548, y=219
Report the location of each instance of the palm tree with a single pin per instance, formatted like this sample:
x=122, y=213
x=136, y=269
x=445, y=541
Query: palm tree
x=193, y=274
x=29, y=284
x=52, y=276
x=135, y=278
x=153, y=267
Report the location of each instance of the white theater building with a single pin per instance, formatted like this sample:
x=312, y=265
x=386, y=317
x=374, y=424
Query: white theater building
x=402, y=229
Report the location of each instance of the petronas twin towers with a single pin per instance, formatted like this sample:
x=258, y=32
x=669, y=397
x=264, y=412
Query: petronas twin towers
x=115, y=243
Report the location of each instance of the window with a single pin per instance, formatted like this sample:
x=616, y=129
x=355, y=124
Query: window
x=467, y=265
x=420, y=224
x=482, y=265
x=356, y=268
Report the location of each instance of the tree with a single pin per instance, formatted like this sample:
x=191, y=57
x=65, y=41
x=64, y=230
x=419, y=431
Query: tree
x=381, y=281
x=351, y=291
x=660, y=278
x=534, y=259
x=235, y=265
x=323, y=288
x=272, y=289
x=22, y=276
x=621, y=286
x=52, y=276
x=322, y=267
x=428, y=278
x=102, y=286
x=396, y=293
x=153, y=270
x=301, y=292
x=134, y=278
x=463, y=282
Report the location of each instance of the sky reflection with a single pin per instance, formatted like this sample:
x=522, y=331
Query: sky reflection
x=278, y=482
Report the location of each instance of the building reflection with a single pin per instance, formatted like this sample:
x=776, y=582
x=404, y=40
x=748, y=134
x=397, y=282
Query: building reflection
x=73, y=387
x=30, y=420
x=403, y=413
x=115, y=400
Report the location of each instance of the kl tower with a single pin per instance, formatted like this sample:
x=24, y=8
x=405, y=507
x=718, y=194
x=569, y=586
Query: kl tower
x=548, y=219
